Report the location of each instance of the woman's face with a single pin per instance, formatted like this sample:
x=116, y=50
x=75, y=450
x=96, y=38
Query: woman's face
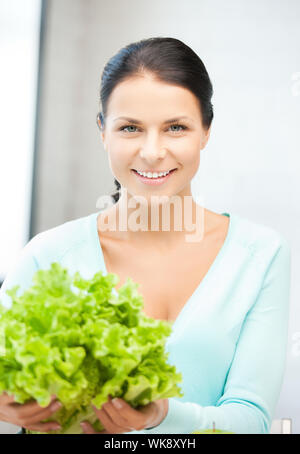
x=149, y=142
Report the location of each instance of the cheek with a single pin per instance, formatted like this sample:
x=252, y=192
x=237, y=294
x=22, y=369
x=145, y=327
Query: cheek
x=187, y=151
x=119, y=156
x=190, y=158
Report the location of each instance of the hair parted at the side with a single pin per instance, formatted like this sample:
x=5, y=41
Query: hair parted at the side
x=170, y=61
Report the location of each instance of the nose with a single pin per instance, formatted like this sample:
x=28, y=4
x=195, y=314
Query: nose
x=152, y=151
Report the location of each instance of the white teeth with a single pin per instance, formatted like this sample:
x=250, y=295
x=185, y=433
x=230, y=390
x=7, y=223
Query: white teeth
x=153, y=175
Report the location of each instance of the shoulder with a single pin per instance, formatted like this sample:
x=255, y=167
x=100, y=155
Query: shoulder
x=57, y=241
x=261, y=240
x=65, y=243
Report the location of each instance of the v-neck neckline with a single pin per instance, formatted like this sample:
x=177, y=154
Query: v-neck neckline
x=99, y=258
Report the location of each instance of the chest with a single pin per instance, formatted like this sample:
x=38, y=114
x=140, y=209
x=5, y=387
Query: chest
x=165, y=282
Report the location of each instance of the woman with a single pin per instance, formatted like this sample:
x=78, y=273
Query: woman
x=226, y=291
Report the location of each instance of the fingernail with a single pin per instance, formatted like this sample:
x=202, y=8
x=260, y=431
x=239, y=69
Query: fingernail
x=56, y=406
x=117, y=403
x=56, y=427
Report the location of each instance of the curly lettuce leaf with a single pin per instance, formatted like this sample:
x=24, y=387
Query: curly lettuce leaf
x=82, y=341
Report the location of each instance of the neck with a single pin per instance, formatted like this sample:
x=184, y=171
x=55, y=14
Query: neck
x=167, y=221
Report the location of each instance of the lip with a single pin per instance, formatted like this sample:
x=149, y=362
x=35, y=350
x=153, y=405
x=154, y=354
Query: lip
x=156, y=171
x=153, y=181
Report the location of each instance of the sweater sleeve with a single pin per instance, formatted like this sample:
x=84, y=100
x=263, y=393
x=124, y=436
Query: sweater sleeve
x=21, y=273
x=256, y=372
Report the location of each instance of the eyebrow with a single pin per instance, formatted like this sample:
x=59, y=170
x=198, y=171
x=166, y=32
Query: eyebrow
x=172, y=120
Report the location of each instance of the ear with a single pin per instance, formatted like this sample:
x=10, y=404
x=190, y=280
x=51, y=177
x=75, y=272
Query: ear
x=206, y=137
x=100, y=127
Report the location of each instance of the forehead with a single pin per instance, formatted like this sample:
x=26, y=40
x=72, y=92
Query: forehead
x=144, y=98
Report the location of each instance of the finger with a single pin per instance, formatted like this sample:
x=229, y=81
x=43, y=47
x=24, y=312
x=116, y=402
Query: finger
x=118, y=418
x=44, y=414
x=43, y=427
x=32, y=410
x=135, y=417
x=31, y=407
x=108, y=423
x=89, y=429
x=6, y=398
x=23, y=419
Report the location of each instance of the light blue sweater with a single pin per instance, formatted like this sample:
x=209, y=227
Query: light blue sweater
x=229, y=340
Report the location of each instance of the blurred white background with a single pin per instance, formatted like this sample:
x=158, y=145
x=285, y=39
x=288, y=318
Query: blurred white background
x=250, y=166
x=19, y=50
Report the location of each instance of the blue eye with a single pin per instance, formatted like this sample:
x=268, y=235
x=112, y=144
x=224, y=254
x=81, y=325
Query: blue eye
x=132, y=126
x=129, y=126
x=180, y=126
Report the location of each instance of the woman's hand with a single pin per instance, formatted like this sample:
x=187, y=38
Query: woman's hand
x=30, y=414
x=126, y=418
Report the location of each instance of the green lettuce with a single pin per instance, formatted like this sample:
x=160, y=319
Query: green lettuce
x=82, y=340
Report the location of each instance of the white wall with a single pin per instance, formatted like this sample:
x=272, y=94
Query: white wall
x=19, y=49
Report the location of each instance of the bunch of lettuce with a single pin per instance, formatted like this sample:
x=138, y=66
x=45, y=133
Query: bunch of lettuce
x=82, y=340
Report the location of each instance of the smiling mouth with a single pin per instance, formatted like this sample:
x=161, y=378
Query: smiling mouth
x=155, y=171
x=154, y=181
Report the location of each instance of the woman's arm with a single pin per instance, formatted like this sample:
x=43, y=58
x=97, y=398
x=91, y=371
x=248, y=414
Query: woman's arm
x=21, y=273
x=255, y=376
